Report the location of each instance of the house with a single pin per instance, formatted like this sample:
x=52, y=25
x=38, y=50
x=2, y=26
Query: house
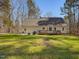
x=43, y=25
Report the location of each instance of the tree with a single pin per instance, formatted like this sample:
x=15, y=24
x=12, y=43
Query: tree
x=5, y=9
x=70, y=8
x=33, y=10
x=48, y=14
x=4, y=6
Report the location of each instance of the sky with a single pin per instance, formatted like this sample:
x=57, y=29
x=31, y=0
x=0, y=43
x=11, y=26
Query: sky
x=50, y=6
x=47, y=7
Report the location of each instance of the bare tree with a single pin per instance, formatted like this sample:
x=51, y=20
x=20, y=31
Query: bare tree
x=33, y=10
x=70, y=11
x=5, y=8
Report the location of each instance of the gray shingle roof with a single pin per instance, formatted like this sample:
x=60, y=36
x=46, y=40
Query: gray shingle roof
x=51, y=20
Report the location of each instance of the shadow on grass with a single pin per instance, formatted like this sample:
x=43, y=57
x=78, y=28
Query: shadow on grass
x=50, y=53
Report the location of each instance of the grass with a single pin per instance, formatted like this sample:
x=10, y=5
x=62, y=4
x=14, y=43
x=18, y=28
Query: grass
x=39, y=46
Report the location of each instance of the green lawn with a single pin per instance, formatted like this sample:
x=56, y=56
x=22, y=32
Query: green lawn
x=39, y=47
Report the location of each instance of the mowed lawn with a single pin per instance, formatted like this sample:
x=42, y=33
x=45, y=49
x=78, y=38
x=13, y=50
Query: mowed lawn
x=39, y=47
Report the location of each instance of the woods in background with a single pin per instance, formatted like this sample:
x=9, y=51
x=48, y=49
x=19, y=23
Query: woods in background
x=71, y=10
x=15, y=11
